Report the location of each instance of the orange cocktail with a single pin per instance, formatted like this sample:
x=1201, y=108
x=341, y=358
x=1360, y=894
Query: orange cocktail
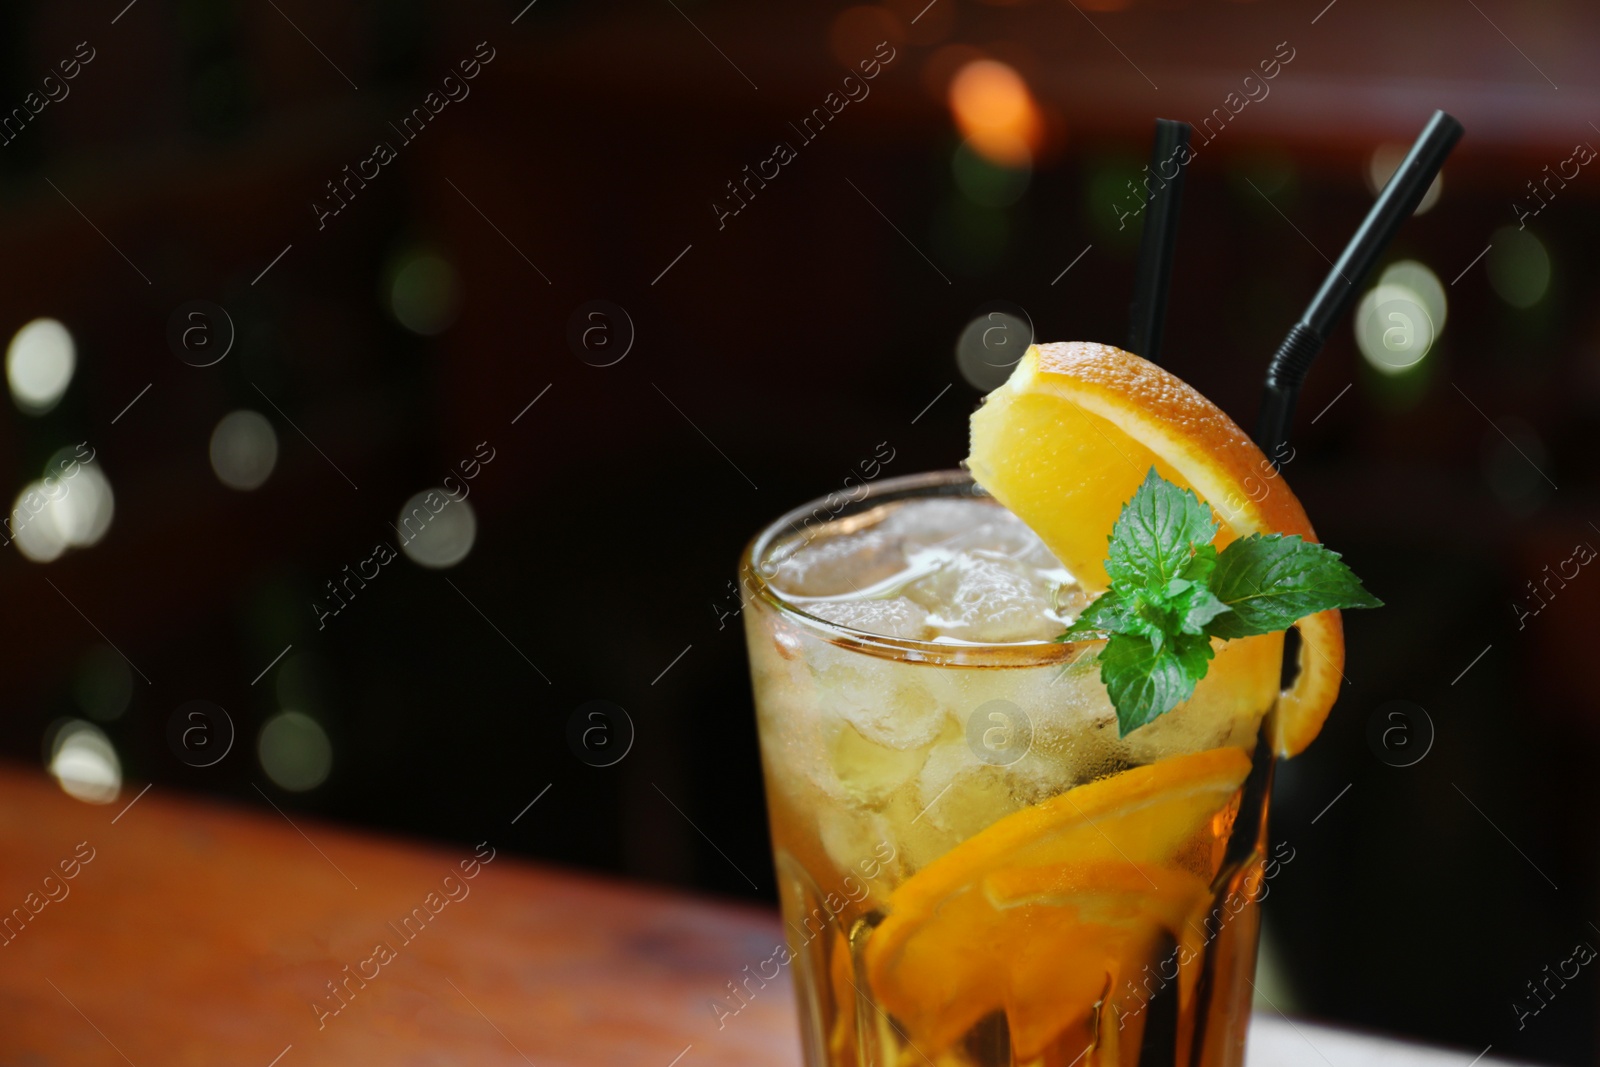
x=976, y=866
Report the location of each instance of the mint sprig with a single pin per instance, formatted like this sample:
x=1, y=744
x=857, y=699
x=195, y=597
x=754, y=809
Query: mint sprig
x=1171, y=592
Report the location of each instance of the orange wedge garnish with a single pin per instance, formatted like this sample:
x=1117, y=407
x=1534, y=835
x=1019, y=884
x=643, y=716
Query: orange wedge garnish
x=1037, y=914
x=1068, y=438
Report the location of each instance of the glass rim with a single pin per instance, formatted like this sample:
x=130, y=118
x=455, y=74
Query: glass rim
x=927, y=485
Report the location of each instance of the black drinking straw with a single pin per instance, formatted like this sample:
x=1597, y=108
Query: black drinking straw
x=1154, y=273
x=1394, y=205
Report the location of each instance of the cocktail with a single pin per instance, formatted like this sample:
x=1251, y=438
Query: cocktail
x=977, y=863
x=1018, y=723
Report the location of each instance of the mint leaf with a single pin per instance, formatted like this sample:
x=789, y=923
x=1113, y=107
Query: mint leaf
x=1106, y=614
x=1271, y=581
x=1195, y=607
x=1183, y=607
x=1171, y=593
x=1199, y=566
x=1145, y=682
x=1157, y=533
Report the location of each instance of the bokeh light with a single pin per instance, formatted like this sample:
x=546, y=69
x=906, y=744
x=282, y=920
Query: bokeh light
x=295, y=751
x=39, y=365
x=102, y=683
x=437, y=530
x=1393, y=328
x=33, y=524
x=1400, y=318
x=1382, y=164
x=1519, y=267
x=992, y=343
x=424, y=293
x=244, y=449
x=83, y=511
x=83, y=762
x=995, y=111
x=71, y=507
x=1423, y=283
x=987, y=183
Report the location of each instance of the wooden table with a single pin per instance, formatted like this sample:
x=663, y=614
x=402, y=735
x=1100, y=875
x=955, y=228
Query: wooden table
x=194, y=933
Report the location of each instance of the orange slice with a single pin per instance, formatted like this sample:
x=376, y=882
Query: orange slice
x=1105, y=920
x=1037, y=913
x=1068, y=438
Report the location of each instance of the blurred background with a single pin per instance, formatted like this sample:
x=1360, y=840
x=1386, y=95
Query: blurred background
x=277, y=271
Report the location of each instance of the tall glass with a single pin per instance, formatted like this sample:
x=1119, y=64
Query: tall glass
x=975, y=870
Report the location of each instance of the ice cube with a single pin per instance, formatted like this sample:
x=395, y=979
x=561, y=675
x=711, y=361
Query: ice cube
x=960, y=793
x=987, y=597
x=897, y=617
x=861, y=845
x=927, y=522
x=868, y=771
x=961, y=524
x=1007, y=535
x=886, y=707
x=834, y=566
